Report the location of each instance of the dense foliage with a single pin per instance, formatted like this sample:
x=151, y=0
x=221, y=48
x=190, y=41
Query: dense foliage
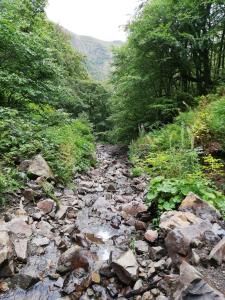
x=39, y=63
x=65, y=143
x=41, y=74
x=185, y=156
x=175, y=51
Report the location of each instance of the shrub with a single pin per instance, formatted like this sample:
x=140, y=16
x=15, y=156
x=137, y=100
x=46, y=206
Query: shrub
x=176, y=157
x=65, y=143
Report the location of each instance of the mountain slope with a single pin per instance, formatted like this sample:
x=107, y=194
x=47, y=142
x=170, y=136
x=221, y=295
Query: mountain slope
x=98, y=54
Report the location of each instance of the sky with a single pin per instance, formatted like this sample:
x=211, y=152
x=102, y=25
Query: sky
x=101, y=19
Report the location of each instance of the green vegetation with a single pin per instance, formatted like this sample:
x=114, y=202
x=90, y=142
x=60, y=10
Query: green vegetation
x=175, y=52
x=99, y=55
x=181, y=157
x=44, y=89
x=65, y=143
x=167, y=87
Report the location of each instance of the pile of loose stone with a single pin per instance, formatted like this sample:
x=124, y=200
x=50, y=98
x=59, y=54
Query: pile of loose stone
x=97, y=242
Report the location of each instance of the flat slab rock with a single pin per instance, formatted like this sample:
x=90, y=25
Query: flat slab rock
x=200, y=208
x=126, y=267
x=191, y=285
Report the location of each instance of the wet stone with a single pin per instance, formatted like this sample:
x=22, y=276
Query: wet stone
x=111, y=289
x=126, y=267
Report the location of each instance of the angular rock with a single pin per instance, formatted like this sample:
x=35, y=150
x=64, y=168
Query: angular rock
x=40, y=241
x=19, y=228
x=141, y=247
x=178, y=241
x=200, y=208
x=151, y=235
x=46, y=205
x=39, y=168
x=20, y=246
x=192, y=286
x=218, y=252
x=177, y=219
x=45, y=229
x=6, y=251
x=27, y=278
x=126, y=267
x=133, y=208
x=61, y=213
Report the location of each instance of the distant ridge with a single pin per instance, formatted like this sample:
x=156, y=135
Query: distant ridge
x=98, y=53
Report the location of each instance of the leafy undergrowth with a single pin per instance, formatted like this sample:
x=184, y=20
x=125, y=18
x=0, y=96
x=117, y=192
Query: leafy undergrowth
x=185, y=156
x=65, y=143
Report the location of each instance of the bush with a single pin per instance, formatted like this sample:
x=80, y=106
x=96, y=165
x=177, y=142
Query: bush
x=176, y=156
x=65, y=143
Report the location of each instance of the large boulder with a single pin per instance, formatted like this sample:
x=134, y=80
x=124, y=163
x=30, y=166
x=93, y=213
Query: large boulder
x=191, y=285
x=178, y=241
x=39, y=168
x=177, y=219
x=126, y=267
x=200, y=208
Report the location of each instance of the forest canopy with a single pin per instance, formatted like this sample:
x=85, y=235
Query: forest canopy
x=175, y=52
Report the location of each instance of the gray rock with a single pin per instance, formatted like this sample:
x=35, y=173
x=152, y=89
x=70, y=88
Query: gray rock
x=6, y=251
x=218, y=252
x=18, y=227
x=126, y=267
x=20, y=246
x=138, y=284
x=192, y=286
x=141, y=247
x=61, y=212
x=39, y=168
x=178, y=241
x=40, y=241
x=27, y=278
x=45, y=229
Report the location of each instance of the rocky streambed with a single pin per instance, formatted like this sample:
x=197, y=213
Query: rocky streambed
x=99, y=243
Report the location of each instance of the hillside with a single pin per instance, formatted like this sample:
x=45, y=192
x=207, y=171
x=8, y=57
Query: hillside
x=98, y=53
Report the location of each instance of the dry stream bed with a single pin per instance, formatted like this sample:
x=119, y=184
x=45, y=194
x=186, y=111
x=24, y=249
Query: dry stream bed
x=100, y=244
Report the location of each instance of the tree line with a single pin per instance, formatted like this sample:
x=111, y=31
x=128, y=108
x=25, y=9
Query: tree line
x=175, y=52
